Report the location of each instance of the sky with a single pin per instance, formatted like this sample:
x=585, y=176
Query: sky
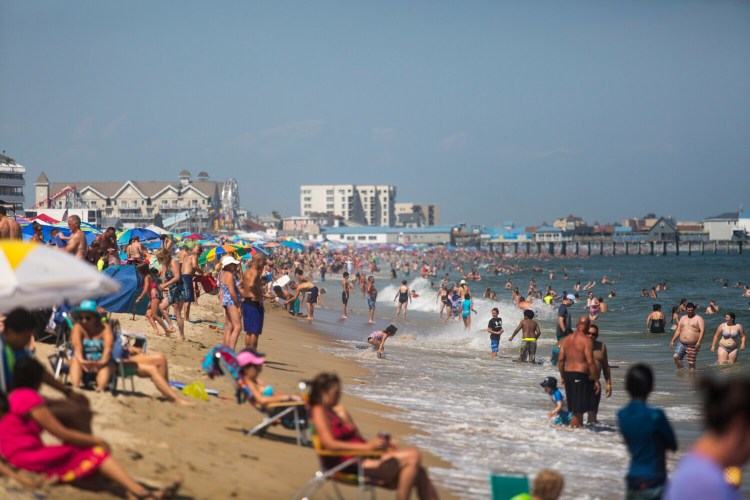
x=502, y=110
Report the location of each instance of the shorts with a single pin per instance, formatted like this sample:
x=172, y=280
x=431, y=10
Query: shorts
x=370, y=302
x=187, y=282
x=681, y=350
x=344, y=298
x=578, y=391
x=176, y=293
x=528, y=350
x=563, y=418
x=312, y=297
x=252, y=316
x=595, y=400
x=494, y=341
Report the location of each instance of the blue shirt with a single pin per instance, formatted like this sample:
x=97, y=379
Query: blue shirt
x=648, y=436
x=556, y=397
x=699, y=477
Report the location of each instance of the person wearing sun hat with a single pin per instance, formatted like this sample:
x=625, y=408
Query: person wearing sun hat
x=92, y=342
x=251, y=364
x=229, y=286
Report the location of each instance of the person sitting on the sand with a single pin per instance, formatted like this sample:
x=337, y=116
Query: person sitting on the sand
x=92, y=342
x=397, y=468
x=80, y=455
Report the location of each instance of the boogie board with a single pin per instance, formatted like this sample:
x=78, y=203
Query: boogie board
x=282, y=282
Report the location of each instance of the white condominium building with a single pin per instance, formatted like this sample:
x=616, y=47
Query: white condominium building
x=11, y=182
x=373, y=205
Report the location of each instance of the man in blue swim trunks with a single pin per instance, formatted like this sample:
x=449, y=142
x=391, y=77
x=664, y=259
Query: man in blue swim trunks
x=372, y=297
x=495, y=329
x=252, y=304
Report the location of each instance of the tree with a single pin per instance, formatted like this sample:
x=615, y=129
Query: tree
x=276, y=215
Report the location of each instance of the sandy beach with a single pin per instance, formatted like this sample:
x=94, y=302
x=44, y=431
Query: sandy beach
x=158, y=441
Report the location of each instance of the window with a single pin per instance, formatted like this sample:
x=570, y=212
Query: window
x=174, y=203
x=372, y=238
x=308, y=198
x=307, y=205
x=361, y=238
x=164, y=204
x=329, y=206
x=194, y=203
x=329, y=191
x=350, y=238
x=134, y=203
x=123, y=204
x=92, y=203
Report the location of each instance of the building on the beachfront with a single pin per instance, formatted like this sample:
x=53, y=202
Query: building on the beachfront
x=429, y=235
x=550, y=234
x=663, y=230
x=509, y=233
x=182, y=205
x=12, y=183
x=372, y=205
x=569, y=223
x=417, y=214
x=721, y=227
x=311, y=223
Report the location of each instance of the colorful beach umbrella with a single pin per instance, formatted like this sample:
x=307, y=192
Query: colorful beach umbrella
x=144, y=234
x=34, y=276
x=216, y=253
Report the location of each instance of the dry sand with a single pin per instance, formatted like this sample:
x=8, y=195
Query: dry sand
x=157, y=440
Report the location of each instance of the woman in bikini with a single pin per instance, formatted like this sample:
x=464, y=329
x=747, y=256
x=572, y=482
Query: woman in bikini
x=731, y=339
x=231, y=300
x=92, y=342
x=396, y=468
x=150, y=287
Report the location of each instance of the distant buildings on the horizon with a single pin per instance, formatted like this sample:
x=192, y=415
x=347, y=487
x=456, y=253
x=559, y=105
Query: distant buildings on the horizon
x=12, y=183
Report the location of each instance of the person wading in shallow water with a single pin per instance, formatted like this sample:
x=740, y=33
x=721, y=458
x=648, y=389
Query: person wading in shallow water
x=690, y=331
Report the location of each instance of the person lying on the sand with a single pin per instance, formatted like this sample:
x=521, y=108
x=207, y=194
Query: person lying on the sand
x=81, y=455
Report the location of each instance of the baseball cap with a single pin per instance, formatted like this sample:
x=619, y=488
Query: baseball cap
x=227, y=260
x=550, y=382
x=248, y=357
x=572, y=297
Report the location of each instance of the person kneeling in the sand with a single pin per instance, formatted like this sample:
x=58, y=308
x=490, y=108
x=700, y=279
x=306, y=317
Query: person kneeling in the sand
x=378, y=337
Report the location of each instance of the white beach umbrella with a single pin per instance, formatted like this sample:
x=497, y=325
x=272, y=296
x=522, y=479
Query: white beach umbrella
x=33, y=276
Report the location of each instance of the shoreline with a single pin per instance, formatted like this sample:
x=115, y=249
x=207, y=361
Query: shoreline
x=157, y=441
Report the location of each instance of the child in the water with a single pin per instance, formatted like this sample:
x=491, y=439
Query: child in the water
x=561, y=413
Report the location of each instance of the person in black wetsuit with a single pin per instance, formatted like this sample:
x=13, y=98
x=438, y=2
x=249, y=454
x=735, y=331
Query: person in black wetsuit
x=655, y=321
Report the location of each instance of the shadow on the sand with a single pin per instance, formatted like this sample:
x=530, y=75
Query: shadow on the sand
x=268, y=437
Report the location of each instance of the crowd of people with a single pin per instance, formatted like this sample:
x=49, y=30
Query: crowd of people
x=244, y=287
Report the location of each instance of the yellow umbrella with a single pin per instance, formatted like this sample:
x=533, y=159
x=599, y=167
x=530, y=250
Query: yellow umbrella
x=34, y=276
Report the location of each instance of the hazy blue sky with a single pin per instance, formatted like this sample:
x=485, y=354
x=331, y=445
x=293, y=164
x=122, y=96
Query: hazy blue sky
x=523, y=110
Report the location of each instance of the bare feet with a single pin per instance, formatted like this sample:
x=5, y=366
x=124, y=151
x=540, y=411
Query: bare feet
x=371, y=321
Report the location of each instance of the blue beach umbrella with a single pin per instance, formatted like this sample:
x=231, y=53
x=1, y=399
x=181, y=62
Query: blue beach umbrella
x=143, y=233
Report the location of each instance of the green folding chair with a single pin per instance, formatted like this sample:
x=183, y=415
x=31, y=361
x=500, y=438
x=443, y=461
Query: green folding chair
x=507, y=485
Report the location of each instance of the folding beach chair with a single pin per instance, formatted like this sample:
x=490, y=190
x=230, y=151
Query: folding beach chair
x=290, y=414
x=342, y=473
x=123, y=369
x=508, y=485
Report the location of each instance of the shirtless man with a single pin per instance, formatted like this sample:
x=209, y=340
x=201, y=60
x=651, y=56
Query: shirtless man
x=531, y=334
x=523, y=304
x=9, y=228
x=578, y=371
x=372, y=297
x=312, y=297
x=690, y=331
x=166, y=242
x=346, y=289
x=189, y=268
x=108, y=246
x=76, y=240
x=602, y=365
x=252, y=304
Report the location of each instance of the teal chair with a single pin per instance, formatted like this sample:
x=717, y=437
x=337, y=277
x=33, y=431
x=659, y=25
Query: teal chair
x=506, y=485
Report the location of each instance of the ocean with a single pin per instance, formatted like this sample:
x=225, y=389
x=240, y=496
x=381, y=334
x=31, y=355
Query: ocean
x=482, y=414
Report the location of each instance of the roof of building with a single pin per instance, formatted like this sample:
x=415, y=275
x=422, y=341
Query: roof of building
x=148, y=188
x=548, y=229
x=42, y=179
x=724, y=216
x=387, y=230
x=202, y=174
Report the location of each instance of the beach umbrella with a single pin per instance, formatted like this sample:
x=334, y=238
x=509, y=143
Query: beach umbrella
x=272, y=244
x=216, y=253
x=34, y=276
x=143, y=233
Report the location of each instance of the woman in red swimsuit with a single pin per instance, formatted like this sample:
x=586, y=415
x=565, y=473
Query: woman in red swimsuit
x=399, y=468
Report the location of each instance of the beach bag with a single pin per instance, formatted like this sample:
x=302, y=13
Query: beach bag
x=196, y=390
